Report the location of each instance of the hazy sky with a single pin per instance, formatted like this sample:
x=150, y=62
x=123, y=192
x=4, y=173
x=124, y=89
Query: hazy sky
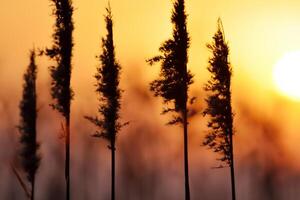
x=258, y=32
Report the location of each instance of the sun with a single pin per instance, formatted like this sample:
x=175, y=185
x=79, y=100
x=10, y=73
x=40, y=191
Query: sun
x=286, y=75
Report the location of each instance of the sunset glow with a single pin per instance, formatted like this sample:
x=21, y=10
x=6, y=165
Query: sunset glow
x=286, y=75
x=263, y=111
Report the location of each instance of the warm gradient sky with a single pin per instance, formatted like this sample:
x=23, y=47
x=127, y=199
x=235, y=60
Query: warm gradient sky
x=259, y=33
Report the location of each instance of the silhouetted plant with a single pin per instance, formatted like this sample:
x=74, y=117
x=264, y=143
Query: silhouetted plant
x=107, y=76
x=30, y=159
x=61, y=53
x=174, y=79
x=219, y=139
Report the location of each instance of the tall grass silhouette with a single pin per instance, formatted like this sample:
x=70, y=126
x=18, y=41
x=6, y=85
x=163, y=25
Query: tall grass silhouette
x=30, y=159
x=219, y=138
x=174, y=79
x=61, y=53
x=108, y=77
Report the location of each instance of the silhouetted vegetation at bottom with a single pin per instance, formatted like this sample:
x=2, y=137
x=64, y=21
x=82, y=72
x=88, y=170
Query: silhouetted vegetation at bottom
x=30, y=159
x=219, y=139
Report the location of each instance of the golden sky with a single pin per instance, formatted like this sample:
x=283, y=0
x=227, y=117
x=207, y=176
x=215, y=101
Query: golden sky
x=258, y=32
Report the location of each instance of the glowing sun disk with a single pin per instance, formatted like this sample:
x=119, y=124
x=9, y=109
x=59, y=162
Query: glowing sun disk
x=286, y=75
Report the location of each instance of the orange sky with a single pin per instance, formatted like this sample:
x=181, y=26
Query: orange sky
x=258, y=32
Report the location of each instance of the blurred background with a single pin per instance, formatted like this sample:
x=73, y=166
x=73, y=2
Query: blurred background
x=149, y=154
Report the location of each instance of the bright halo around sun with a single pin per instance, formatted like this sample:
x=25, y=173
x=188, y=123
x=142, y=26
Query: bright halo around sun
x=286, y=75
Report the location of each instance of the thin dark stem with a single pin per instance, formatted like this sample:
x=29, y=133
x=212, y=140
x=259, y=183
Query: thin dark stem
x=232, y=168
x=113, y=169
x=32, y=188
x=186, y=162
x=67, y=161
x=22, y=183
